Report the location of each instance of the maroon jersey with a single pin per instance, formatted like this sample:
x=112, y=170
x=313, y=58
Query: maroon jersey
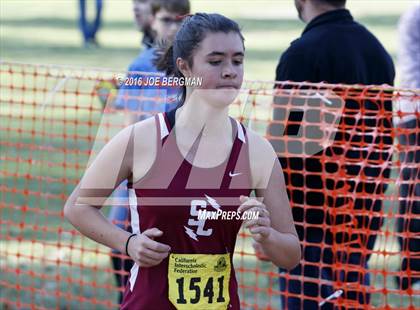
x=170, y=197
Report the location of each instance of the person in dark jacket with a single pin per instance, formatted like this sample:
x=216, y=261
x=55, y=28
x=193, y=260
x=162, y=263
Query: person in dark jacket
x=336, y=202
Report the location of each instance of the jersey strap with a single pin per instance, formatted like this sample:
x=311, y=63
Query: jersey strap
x=236, y=150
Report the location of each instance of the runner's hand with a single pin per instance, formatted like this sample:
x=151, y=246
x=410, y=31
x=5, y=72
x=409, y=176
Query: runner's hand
x=259, y=228
x=145, y=251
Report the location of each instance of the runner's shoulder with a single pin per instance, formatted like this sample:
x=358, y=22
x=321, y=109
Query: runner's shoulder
x=261, y=157
x=259, y=147
x=145, y=133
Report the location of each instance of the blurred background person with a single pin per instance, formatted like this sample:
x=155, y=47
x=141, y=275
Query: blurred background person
x=143, y=17
x=143, y=101
x=408, y=222
x=334, y=48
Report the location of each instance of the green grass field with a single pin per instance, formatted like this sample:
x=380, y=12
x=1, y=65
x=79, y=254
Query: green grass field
x=37, y=248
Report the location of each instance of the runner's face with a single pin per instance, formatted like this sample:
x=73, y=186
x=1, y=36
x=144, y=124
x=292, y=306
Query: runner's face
x=218, y=60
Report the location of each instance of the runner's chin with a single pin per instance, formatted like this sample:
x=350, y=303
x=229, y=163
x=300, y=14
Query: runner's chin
x=225, y=95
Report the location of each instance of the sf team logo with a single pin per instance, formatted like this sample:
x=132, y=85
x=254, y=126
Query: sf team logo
x=196, y=226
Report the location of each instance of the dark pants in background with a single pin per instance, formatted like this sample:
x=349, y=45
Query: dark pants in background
x=88, y=29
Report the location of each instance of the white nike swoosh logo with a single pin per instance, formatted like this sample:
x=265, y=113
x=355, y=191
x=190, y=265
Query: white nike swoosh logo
x=234, y=174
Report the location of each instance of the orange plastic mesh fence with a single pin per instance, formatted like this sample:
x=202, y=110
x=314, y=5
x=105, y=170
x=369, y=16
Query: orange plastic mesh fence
x=352, y=179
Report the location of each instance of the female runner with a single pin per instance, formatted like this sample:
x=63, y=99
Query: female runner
x=190, y=174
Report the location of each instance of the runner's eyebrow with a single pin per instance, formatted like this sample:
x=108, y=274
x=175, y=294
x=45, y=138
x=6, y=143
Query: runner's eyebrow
x=216, y=53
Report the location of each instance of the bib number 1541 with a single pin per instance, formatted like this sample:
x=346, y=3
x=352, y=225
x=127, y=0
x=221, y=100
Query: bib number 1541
x=195, y=285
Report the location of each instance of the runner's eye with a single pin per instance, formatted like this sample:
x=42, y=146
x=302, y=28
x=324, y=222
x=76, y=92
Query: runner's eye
x=215, y=62
x=237, y=62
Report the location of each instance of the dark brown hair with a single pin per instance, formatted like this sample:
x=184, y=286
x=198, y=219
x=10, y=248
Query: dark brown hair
x=181, y=7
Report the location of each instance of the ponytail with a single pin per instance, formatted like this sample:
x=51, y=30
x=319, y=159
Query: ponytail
x=165, y=61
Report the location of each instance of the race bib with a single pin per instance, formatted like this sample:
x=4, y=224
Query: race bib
x=199, y=281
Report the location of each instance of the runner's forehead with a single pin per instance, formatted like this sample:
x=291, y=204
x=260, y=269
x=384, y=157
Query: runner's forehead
x=222, y=43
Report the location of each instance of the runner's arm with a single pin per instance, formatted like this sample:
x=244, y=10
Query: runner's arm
x=282, y=244
x=111, y=166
